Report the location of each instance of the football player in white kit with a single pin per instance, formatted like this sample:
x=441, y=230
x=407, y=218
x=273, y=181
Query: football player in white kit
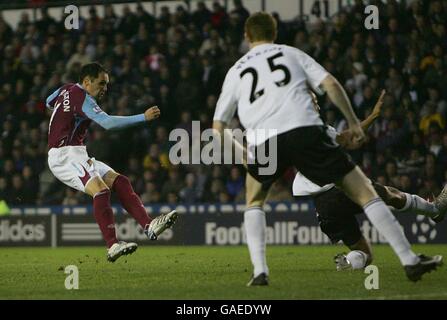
x=336, y=212
x=269, y=88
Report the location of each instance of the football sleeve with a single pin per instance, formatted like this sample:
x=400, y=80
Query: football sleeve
x=91, y=109
x=315, y=73
x=51, y=98
x=227, y=102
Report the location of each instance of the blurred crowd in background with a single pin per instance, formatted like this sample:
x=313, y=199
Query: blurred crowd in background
x=178, y=60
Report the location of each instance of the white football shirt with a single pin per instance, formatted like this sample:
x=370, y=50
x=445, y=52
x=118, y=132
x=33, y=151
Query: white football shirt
x=269, y=88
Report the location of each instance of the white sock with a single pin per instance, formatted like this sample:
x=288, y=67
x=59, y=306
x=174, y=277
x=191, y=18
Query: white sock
x=421, y=206
x=255, y=225
x=357, y=259
x=384, y=221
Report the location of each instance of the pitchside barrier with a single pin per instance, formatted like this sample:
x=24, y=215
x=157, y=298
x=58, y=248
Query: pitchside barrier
x=201, y=224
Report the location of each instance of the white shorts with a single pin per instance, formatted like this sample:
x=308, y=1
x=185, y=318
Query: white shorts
x=70, y=165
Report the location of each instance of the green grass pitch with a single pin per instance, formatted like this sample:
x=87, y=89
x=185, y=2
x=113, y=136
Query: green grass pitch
x=158, y=272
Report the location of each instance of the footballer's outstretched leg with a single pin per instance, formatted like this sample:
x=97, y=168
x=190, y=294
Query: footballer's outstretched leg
x=127, y=197
x=152, y=227
x=406, y=202
x=69, y=161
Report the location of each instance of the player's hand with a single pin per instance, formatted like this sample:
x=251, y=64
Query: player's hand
x=378, y=107
x=345, y=140
x=356, y=136
x=152, y=113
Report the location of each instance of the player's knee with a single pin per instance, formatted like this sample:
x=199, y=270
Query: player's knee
x=123, y=186
x=254, y=203
x=122, y=181
x=358, y=187
x=96, y=185
x=103, y=191
x=367, y=194
x=102, y=185
x=364, y=196
x=110, y=178
x=123, y=178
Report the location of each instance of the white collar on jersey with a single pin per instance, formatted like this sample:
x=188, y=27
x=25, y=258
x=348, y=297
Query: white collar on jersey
x=262, y=45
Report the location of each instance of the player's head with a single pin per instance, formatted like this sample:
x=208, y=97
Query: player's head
x=260, y=27
x=94, y=79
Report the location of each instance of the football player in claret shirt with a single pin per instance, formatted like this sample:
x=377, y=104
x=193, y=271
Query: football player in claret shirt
x=75, y=106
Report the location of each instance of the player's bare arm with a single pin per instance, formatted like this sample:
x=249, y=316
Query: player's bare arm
x=375, y=113
x=95, y=85
x=220, y=132
x=344, y=138
x=339, y=97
